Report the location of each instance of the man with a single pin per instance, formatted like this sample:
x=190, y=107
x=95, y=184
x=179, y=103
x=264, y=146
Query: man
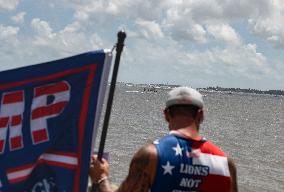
x=182, y=161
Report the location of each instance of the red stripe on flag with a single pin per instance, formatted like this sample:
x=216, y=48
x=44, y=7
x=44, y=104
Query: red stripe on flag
x=70, y=154
x=13, y=97
x=16, y=142
x=29, y=167
x=48, y=110
x=82, y=121
x=40, y=135
x=20, y=168
x=19, y=179
x=48, y=77
x=51, y=89
x=16, y=179
x=4, y=122
x=2, y=145
x=16, y=120
x=60, y=164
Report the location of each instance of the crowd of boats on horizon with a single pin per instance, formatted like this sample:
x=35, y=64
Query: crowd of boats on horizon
x=156, y=87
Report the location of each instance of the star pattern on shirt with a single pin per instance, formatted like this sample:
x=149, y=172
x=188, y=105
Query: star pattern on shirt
x=168, y=168
x=156, y=142
x=178, y=150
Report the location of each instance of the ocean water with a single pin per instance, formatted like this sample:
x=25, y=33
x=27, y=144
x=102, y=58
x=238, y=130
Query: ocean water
x=248, y=127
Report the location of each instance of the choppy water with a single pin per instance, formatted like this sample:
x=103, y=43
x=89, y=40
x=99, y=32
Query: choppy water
x=248, y=127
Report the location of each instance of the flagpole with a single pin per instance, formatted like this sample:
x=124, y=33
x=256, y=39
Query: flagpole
x=121, y=35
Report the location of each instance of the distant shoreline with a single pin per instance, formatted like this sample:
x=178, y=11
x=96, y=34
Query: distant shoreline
x=217, y=88
x=239, y=90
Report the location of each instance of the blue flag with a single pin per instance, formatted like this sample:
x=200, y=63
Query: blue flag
x=49, y=115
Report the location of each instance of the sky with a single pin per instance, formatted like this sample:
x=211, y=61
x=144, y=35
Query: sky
x=197, y=43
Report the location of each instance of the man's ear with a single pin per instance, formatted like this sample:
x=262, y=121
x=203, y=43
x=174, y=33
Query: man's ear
x=200, y=116
x=167, y=114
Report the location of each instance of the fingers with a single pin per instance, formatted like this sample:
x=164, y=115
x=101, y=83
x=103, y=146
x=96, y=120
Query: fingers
x=99, y=164
x=98, y=169
x=94, y=158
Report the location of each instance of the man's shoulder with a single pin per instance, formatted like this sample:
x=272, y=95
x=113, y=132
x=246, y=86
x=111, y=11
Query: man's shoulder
x=146, y=151
x=211, y=148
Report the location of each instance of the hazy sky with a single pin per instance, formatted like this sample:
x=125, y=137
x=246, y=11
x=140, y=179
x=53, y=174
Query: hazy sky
x=199, y=43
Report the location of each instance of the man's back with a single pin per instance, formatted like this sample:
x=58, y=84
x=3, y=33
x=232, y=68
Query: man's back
x=190, y=165
x=176, y=163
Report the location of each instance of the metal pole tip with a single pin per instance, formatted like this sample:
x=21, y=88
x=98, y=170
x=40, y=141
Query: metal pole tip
x=121, y=35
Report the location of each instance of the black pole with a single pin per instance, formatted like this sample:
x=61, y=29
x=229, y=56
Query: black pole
x=121, y=35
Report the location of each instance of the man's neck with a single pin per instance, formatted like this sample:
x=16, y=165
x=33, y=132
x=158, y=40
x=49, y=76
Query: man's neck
x=186, y=128
x=187, y=133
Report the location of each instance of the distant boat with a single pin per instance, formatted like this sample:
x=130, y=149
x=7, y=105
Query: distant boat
x=129, y=85
x=149, y=89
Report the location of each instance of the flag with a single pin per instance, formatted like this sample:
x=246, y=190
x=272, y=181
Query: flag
x=49, y=115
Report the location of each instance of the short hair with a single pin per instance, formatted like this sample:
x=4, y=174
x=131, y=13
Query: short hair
x=187, y=110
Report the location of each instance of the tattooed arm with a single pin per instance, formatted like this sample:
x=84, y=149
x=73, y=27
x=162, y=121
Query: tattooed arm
x=233, y=173
x=141, y=172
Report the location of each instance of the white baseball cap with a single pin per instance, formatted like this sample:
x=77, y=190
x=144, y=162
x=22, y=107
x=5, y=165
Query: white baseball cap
x=184, y=96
